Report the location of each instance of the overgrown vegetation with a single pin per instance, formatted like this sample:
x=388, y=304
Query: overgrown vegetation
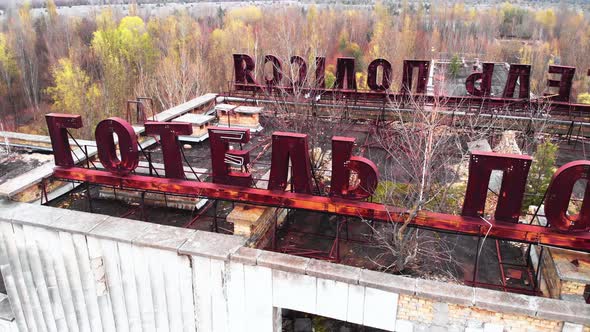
x=541, y=171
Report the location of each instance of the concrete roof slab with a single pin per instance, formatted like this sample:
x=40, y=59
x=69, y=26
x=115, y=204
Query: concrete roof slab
x=246, y=255
x=563, y=310
x=283, y=262
x=505, y=302
x=388, y=282
x=212, y=245
x=119, y=229
x=163, y=237
x=338, y=272
x=445, y=292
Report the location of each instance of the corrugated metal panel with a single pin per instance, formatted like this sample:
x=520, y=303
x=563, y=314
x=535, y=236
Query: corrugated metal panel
x=59, y=281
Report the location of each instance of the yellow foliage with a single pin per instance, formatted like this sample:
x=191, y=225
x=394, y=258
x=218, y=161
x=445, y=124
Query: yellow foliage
x=546, y=17
x=129, y=41
x=52, y=9
x=584, y=98
x=249, y=15
x=73, y=92
x=7, y=58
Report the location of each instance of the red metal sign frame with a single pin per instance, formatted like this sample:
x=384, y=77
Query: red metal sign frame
x=533, y=234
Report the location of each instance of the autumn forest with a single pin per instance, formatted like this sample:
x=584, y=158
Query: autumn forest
x=92, y=65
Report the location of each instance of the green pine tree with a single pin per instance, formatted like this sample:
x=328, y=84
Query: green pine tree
x=540, y=174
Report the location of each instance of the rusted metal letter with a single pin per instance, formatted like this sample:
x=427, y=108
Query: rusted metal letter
x=169, y=132
x=57, y=125
x=292, y=146
x=320, y=72
x=515, y=170
x=244, y=68
x=408, y=73
x=372, y=75
x=485, y=86
x=564, y=83
x=277, y=71
x=558, y=198
x=520, y=73
x=107, y=147
x=223, y=157
x=302, y=72
x=345, y=72
x=343, y=163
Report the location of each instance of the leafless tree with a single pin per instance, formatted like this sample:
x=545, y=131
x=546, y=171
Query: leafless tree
x=424, y=169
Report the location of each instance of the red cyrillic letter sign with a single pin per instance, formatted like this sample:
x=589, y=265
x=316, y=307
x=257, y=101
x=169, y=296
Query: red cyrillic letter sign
x=345, y=72
x=408, y=73
x=564, y=84
x=296, y=59
x=485, y=86
x=521, y=73
x=292, y=146
x=277, y=73
x=244, y=74
x=515, y=170
x=169, y=132
x=222, y=157
x=343, y=163
x=57, y=125
x=558, y=198
x=107, y=148
x=372, y=75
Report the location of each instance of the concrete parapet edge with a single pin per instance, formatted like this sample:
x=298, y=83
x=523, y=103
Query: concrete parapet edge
x=445, y=292
x=283, y=262
x=388, y=282
x=212, y=245
x=230, y=247
x=332, y=271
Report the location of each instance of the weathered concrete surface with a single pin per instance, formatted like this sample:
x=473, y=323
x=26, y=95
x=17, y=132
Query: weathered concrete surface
x=127, y=270
x=212, y=245
x=337, y=272
x=505, y=302
x=283, y=262
x=388, y=282
x=445, y=292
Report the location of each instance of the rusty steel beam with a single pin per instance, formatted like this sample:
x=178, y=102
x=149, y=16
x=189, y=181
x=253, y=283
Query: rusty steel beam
x=525, y=233
x=555, y=107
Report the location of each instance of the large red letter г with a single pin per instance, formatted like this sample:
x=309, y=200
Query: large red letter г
x=292, y=146
x=58, y=125
x=515, y=170
x=558, y=198
x=107, y=147
x=342, y=163
x=168, y=132
x=222, y=157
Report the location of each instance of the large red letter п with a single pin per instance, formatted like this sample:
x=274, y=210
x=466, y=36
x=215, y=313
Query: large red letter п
x=515, y=170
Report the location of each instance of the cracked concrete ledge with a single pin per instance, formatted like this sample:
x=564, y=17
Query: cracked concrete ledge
x=230, y=247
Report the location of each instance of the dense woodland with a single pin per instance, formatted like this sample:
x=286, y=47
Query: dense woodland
x=94, y=64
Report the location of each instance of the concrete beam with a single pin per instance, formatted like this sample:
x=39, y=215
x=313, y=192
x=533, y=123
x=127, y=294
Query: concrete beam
x=211, y=245
x=388, y=282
